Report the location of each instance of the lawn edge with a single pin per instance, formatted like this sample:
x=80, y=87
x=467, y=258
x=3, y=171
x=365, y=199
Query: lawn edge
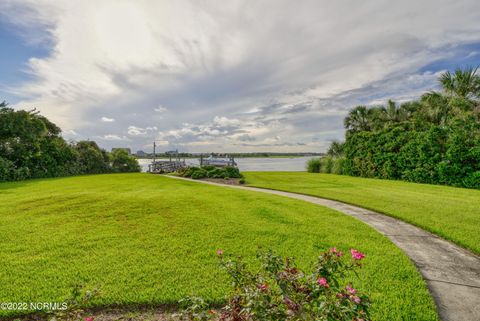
x=426, y=228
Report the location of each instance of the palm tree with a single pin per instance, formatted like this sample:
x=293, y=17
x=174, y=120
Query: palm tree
x=436, y=107
x=462, y=83
x=358, y=119
x=376, y=117
x=409, y=108
x=394, y=114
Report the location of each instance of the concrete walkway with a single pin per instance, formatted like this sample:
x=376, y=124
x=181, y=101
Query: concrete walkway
x=451, y=272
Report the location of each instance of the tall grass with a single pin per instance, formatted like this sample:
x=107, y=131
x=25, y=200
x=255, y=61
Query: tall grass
x=313, y=165
x=326, y=164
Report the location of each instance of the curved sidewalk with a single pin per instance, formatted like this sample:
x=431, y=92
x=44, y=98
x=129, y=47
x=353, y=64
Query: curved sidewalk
x=451, y=272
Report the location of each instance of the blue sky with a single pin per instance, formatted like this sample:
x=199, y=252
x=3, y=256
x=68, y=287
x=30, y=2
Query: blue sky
x=462, y=55
x=14, y=55
x=241, y=76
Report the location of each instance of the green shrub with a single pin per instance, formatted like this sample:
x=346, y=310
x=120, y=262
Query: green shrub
x=313, y=165
x=209, y=168
x=7, y=170
x=232, y=172
x=241, y=181
x=215, y=172
x=338, y=164
x=472, y=180
x=326, y=164
x=188, y=171
x=199, y=173
x=210, y=172
x=434, y=140
x=122, y=162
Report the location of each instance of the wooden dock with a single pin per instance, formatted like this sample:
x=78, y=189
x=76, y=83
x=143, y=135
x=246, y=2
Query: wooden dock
x=163, y=167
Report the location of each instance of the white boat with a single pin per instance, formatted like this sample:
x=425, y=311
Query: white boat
x=217, y=161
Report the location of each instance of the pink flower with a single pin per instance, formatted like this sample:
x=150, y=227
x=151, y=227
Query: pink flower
x=356, y=299
x=357, y=255
x=89, y=319
x=336, y=252
x=351, y=290
x=219, y=252
x=323, y=282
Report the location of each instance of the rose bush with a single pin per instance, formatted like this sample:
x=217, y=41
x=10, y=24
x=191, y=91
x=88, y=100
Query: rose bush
x=280, y=290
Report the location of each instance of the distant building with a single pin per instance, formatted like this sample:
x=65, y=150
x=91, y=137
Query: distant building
x=141, y=153
x=122, y=148
x=172, y=152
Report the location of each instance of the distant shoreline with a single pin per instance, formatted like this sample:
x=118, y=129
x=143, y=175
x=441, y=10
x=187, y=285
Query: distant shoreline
x=233, y=155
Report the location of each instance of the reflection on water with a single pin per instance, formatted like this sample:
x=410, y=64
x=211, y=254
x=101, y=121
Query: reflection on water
x=265, y=164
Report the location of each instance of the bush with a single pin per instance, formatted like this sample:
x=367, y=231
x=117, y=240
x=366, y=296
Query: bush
x=281, y=291
x=31, y=147
x=434, y=140
x=122, y=162
x=472, y=180
x=188, y=171
x=232, y=172
x=338, y=164
x=7, y=170
x=313, y=165
x=215, y=172
x=326, y=164
x=199, y=173
x=211, y=172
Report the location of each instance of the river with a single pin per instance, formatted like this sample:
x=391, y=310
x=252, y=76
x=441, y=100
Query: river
x=263, y=164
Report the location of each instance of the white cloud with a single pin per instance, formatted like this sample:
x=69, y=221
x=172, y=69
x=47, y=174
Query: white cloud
x=114, y=137
x=160, y=109
x=71, y=132
x=139, y=131
x=107, y=120
x=250, y=70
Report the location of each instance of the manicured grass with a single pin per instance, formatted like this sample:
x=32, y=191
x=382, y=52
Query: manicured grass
x=147, y=239
x=452, y=213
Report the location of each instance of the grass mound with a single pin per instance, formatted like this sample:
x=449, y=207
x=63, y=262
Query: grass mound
x=452, y=213
x=148, y=239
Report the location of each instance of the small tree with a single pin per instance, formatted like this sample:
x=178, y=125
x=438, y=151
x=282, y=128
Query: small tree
x=122, y=162
x=91, y=159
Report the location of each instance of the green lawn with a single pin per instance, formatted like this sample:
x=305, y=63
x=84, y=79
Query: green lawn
x=150, y=239
x=453, y=213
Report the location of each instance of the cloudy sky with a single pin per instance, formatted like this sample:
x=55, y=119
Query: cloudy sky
x=224, y=75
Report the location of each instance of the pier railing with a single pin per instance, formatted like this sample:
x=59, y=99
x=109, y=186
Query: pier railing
x=161, y=167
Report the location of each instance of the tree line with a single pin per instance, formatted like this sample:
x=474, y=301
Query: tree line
x=435, y=139
x=31, y=147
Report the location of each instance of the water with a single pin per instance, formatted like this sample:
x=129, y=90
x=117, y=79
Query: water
x=261, y=164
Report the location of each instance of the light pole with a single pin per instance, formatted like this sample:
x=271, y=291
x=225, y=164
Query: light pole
x=154, y=154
